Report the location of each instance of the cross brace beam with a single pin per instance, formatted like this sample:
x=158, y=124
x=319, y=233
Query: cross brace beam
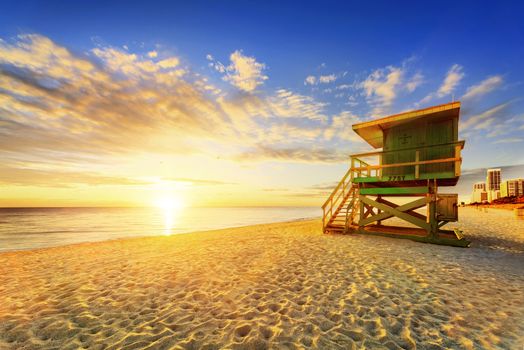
x=401, y=212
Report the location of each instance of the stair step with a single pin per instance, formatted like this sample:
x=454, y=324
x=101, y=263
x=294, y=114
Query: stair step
x=335, y=229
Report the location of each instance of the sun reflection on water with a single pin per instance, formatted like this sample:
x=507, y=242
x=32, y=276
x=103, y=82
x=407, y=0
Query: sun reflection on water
x=171, y=208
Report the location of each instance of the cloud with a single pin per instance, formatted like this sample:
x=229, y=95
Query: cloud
x=510, y=140
x=453, y=78
x=60, y=178
x=287, y=104
x=102, y=102
x=310, y=80
x=483, y=87
x=297, y=154
x=243, y=72
x=507, y=126
x=135, y=66
x=80, y=108
x=415, y=81
x=341, y=127
x=381, y=88
x=325, y=79
x=324, y=186
x=484, y=119
x=198, y=182
x=346, y=86
x=322, y=79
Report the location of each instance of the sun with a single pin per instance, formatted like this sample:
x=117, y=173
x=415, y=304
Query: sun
x=169, y=203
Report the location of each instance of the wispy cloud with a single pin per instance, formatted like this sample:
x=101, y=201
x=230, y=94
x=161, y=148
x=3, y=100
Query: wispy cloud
x=485, y=119
x=288, y=104
x=302, y=154
x=346, y=86
x=510, y=140
x=59, y=178
x=483, y=87
x=507, y=126
x=415, y=81
x=452, y=79
x=198, y=182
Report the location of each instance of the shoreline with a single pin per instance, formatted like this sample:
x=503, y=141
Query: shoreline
x=111, y=236
x=72, y=245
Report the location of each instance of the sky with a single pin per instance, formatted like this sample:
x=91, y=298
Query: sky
x=229, y=103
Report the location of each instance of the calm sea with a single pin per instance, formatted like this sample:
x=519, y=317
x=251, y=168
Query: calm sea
x=27, y=228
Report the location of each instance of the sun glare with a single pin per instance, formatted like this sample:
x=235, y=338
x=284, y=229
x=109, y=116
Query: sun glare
x=170, y=203
x=171, y=206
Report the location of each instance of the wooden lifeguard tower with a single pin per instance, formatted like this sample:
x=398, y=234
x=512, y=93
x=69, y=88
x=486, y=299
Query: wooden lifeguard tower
x=420, y=153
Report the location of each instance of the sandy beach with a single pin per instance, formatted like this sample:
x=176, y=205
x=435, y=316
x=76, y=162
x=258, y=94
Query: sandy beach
x=274, y=286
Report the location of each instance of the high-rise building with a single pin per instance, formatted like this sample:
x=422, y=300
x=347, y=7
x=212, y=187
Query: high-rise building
x=479, y=194
x=493, y=184
x=493, y=180
x=514, y=187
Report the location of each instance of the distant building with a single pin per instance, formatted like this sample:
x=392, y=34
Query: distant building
x=479, y=194
x=481, y=186
x=493, y=184
x=510, y=188
x=493, y=180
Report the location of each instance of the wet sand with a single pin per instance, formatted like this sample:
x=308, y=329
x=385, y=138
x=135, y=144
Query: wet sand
x=282, y=285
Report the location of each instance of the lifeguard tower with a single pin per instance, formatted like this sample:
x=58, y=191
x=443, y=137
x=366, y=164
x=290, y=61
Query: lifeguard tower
x=420, y=153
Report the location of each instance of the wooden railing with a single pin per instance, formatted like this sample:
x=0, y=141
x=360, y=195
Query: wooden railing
x=378, y=168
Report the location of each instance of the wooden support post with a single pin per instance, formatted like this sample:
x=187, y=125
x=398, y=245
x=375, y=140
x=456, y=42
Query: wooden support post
x=432, y=212
x=361, y=203
x=417, y=167
x=428, y=199
x=379, y=222
x=324, y=219
x=457, y=162
x=380, y=163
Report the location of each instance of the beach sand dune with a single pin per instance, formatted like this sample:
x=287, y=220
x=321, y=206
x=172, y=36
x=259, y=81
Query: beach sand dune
x=282, y=285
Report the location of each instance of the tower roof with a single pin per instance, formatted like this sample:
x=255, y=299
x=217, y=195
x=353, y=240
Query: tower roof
x=372, y=131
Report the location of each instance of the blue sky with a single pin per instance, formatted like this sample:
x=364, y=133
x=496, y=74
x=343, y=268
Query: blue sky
x=286, y=79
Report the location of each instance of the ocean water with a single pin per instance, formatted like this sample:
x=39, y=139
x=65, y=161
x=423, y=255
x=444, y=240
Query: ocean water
x=28, y=228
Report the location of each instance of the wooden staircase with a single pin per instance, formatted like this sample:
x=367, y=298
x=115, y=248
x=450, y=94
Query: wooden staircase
x=342, y=207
